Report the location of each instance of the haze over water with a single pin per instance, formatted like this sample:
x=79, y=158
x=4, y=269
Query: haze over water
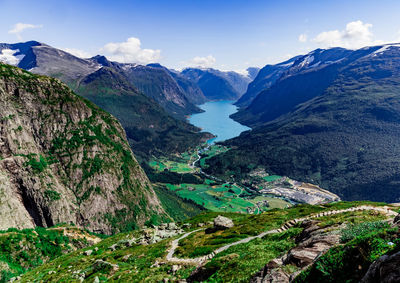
x=216, y=120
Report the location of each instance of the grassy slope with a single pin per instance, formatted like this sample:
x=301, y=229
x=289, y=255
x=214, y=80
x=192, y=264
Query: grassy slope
x=237, y=264
x=23, y=250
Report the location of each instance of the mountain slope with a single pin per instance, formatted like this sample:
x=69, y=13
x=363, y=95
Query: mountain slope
x=149, y=128
x=266, y=77
x=65, y=160
x=306, y=78
x=43, y=59
x=191, y=90
x=345, y=137
x=301, y=234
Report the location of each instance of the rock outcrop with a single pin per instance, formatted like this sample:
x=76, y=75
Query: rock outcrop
x=385, y=269
x=221, y=222
x=65, y=160
x=311, y=243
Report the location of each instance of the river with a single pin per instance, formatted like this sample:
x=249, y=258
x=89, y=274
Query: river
x=216, y=120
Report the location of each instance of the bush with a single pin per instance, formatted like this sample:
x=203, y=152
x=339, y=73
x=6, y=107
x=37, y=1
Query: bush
x=358, y=230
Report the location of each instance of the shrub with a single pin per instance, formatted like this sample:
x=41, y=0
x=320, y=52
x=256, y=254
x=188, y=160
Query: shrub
x=358, y=230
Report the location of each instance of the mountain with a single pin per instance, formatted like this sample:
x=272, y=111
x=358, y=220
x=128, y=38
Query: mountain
x=64, y=160
x=335, y=124
x=158, y=84
x=263, y=79
x=306, y=77
x=191, y=90
x=151, y=128
x=43, y=59
x=252, y=72
x=218, y=85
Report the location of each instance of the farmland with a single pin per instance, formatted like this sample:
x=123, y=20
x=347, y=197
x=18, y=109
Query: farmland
x=212, y=194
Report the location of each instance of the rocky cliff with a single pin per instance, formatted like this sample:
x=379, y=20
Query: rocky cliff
x=65, y=160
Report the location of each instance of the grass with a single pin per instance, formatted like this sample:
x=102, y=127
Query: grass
x=236, y=264
x=251, y=225
x=23, y=250
x=272, y=178
x=213, y=197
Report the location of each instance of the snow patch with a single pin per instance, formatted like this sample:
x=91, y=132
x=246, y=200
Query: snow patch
x=384, y=48
x=8, y=56
x=307, y=61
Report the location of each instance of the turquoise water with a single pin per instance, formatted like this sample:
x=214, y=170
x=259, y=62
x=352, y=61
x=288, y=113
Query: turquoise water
x=216, y=120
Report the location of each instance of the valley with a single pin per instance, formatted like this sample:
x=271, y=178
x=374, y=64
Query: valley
x=254, y=194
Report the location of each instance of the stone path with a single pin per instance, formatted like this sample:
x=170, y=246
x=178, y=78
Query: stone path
x=201, y=260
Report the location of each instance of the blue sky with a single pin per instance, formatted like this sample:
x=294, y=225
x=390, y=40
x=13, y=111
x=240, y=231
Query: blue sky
x=229, y=35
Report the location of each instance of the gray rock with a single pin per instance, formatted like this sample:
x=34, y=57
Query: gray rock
x=88, y=252
x=221, y=222
x=113, y=247
x=96, y=280
x=172, y=226
x=175, y=268
x=384, y=269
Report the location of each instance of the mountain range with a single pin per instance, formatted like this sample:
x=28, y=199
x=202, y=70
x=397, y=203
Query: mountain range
x=163, y=97
x=331, y=118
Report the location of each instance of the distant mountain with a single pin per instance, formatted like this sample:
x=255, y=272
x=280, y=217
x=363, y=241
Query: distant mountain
x=121, y=90
x=64, y=160
x=218, y=85
x=332, y=122
x=306, y=78
x=45, y=60
x=252, y=72
x=263, y=79
x=156, y=83
x=191, y=90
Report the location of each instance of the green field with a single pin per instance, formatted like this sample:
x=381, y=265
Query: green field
x=224, y=198
x=273, y=202
x=215, y=197
x=272, y=178
x=173, y=166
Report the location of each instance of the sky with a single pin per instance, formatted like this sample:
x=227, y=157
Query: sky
x=227, y=35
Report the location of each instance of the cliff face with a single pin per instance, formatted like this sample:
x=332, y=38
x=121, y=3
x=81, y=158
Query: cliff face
x=65, y=160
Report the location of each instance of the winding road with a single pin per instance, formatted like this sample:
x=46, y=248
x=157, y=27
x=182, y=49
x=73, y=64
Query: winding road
x=199, y=261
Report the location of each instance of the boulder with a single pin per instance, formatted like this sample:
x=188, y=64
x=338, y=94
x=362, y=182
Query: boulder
x=88, y=252
x=221, y=222
x=384, y=269
x=172, y=226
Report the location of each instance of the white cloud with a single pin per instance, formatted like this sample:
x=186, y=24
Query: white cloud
x=356, y=34
x=7, y=56
x=77, y=52
x=303, y=37
x=398, y=36
x=20, y=27
x=202, y=62
x=130, y=51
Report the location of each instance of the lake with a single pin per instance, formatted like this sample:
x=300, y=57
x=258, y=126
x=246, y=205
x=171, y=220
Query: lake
x=216, y=120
